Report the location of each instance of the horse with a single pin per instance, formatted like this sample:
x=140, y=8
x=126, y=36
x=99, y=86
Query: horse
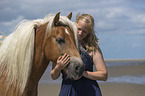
x=2, y=37
x=27, y=51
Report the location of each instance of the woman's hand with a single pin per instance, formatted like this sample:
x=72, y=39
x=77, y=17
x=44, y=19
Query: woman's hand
x=62, y=61
x=85, y=74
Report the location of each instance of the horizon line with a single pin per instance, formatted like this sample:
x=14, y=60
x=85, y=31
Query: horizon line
x=110, y=60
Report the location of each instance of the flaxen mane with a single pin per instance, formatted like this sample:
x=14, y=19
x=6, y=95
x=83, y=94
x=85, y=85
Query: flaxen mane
x=16, y=50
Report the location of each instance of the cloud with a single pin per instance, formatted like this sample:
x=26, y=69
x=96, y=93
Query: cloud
x=8, y=26
x=121, y=16
x=116, y=21
x=10, y=23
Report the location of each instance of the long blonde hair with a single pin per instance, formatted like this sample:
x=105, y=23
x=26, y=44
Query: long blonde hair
x=92, y=43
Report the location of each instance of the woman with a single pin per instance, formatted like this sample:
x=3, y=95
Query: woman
x=91, y=54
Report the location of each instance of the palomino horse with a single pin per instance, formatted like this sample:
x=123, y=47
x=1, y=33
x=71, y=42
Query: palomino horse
x=25, y=53
x=2, y=37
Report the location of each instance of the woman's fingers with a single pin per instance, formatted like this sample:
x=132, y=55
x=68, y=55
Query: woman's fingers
x=66, y=58
x=63, y=57
x=67, y=61
x=59, y=57
x=63, y=61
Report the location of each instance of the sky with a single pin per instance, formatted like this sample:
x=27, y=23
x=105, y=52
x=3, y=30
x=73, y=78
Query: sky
x=119, y=24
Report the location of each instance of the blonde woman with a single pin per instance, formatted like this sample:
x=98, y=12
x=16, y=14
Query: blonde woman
x=91, y=55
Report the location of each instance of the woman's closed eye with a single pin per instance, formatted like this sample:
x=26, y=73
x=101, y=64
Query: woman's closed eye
x=79, y=29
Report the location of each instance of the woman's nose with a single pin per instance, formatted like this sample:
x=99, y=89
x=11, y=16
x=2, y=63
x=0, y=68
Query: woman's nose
x=80, y=32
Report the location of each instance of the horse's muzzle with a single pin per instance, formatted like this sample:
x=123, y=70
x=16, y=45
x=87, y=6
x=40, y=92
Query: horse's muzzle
x=75, y=69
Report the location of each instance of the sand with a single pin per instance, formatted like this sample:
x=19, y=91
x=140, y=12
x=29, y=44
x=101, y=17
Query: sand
x=108, y=88
x=48, y=89
x=118, y=89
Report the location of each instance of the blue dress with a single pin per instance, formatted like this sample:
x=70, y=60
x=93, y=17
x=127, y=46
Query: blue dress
x=83, y=86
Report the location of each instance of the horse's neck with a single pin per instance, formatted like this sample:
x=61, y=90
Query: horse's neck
x=39, y=62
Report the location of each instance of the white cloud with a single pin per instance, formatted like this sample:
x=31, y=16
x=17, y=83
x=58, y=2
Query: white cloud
x=111, y=16
x=138, y=18
x=13, y=22
x=110, y=11
x=125, y=17
x=8, y=26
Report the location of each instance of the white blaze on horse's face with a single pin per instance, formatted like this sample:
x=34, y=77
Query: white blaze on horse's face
x=67, y=32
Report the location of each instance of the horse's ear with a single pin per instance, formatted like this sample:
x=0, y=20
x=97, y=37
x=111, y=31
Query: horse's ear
x=69, y=16
x=56, y=19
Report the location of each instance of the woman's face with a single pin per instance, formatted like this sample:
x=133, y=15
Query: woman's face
x=83, y=29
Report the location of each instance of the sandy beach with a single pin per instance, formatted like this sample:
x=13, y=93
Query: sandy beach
x=108, y=89
x=48, y=89
x=125, y=87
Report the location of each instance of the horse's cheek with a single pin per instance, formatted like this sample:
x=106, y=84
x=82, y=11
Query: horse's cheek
x=52, y=51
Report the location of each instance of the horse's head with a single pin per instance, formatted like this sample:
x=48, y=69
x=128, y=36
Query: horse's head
x=60, y=39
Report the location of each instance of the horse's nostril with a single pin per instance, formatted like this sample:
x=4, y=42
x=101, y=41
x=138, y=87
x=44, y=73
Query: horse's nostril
x=77, y=69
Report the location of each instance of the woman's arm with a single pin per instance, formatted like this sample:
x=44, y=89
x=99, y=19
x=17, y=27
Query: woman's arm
x=62, y=61
x=101, y=70
x=55, y=72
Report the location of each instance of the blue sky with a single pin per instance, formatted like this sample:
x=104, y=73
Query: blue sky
x=119, y=24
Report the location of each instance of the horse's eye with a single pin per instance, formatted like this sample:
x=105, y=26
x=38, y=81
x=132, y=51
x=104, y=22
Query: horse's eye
x=60, y=40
